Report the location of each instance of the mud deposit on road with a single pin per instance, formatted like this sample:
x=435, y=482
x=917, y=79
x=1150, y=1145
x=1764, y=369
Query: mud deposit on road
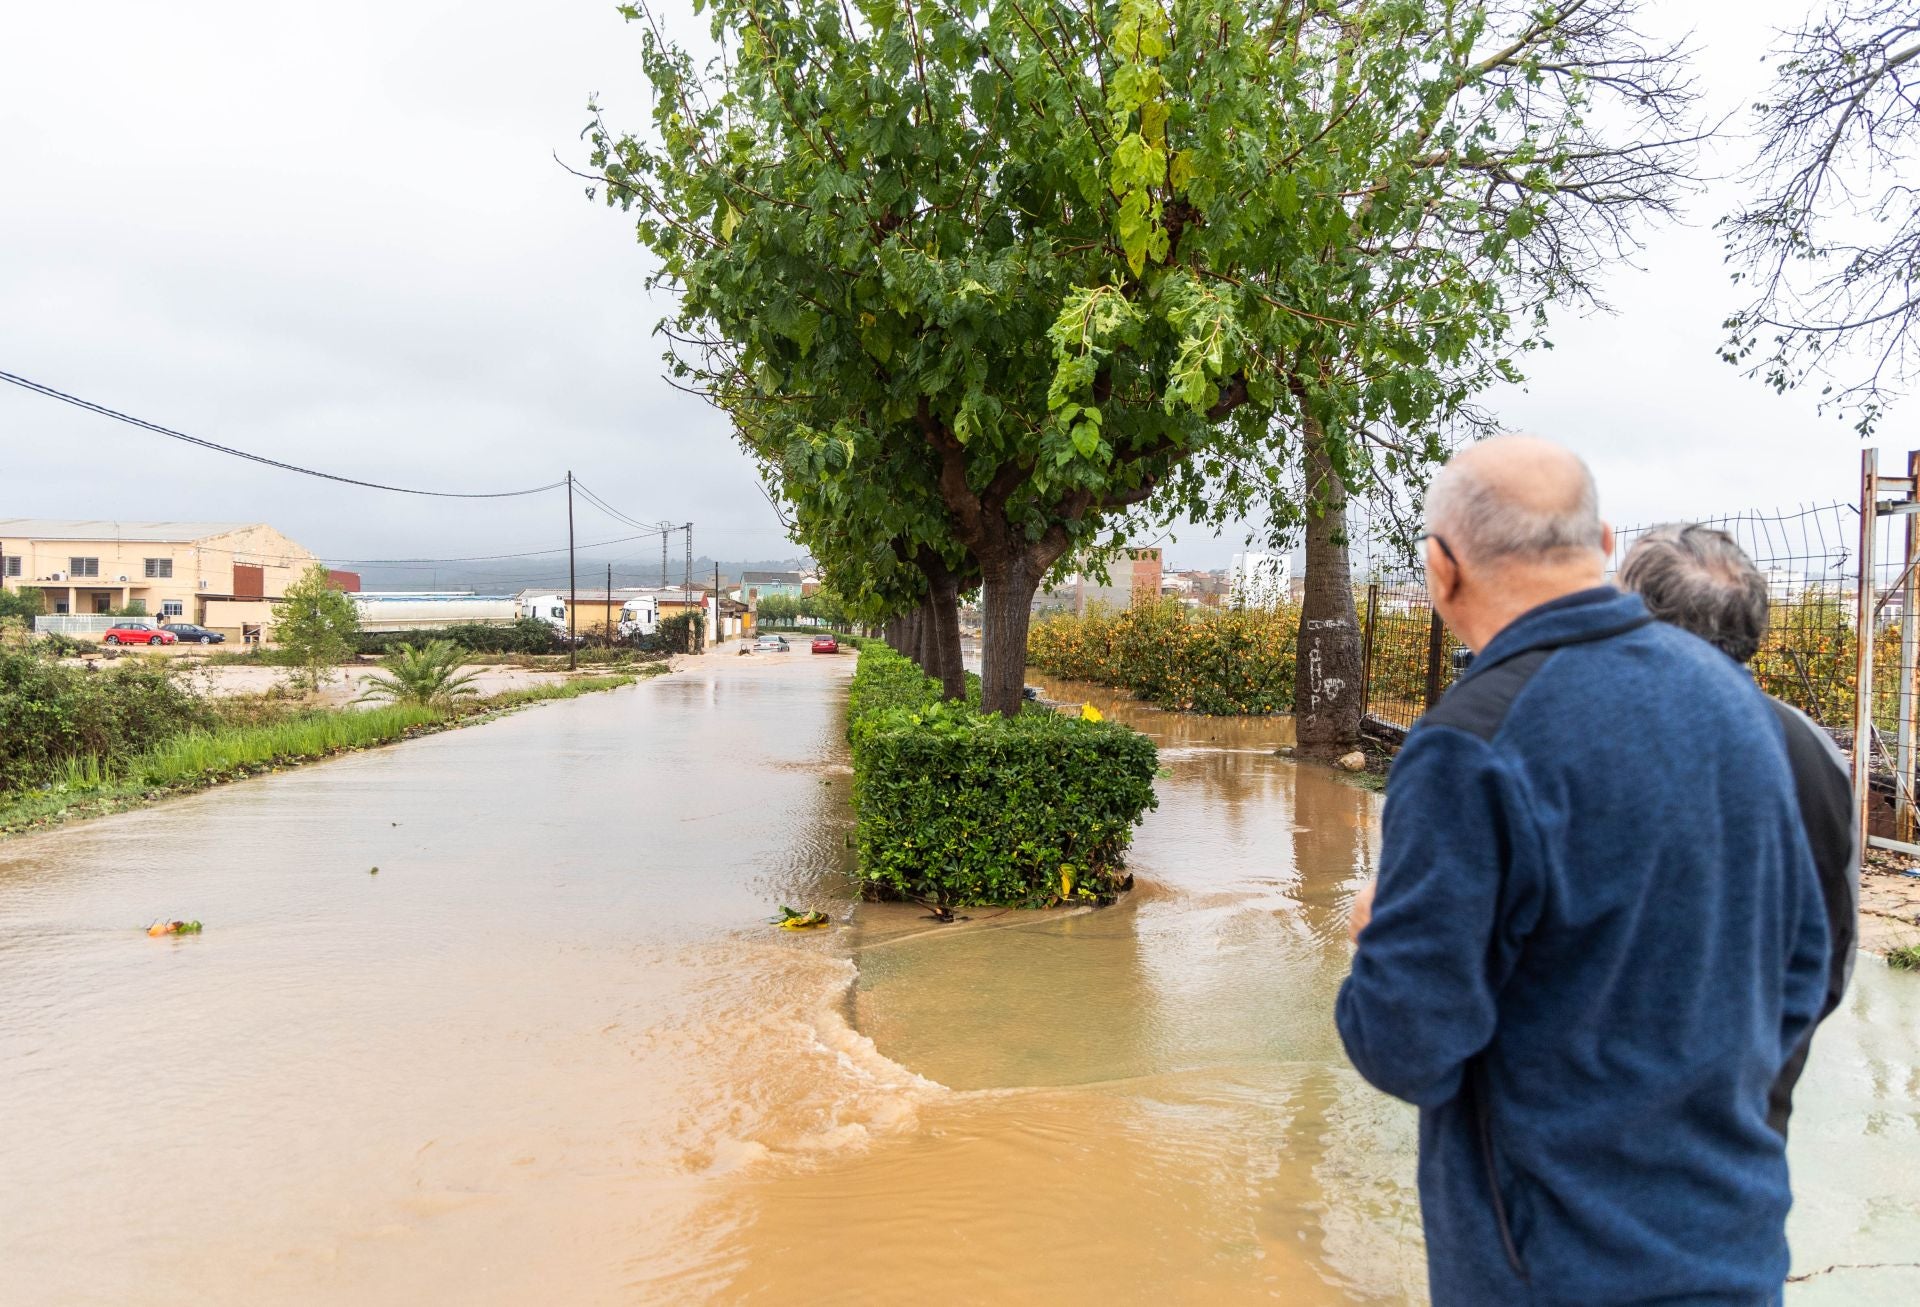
x=552, y=1053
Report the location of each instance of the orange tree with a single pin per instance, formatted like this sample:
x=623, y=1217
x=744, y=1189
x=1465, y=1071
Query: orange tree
x=1212, y=661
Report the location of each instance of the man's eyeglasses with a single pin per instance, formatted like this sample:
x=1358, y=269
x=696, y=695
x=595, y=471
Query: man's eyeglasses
x=1438, y=540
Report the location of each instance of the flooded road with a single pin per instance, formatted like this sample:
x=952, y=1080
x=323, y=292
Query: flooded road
x=551, y=1053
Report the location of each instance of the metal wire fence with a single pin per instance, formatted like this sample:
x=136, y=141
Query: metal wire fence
x=1809, y=657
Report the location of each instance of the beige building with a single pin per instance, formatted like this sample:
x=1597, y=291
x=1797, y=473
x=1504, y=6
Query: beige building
x=1133, y=578
x=223, y=575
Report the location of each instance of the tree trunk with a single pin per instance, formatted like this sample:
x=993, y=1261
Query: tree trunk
x=928, y=655
x=1327, y=688
x=910, y=635
x=943, y=611
x=1006, y=607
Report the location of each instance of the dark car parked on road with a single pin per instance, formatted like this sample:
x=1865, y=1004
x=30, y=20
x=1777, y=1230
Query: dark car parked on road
x=188, y=633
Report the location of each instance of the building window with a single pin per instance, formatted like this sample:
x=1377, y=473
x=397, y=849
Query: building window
x=10, y=565
x=83, y=567
x=161, y=568
x=172, y=608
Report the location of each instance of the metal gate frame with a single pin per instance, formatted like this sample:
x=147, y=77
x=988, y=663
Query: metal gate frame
x=1905, y=503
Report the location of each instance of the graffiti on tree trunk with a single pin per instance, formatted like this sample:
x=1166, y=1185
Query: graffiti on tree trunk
x=1322, y=688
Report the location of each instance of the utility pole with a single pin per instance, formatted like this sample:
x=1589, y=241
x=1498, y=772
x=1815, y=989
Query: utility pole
x=664, y=531
x=686, y=592
x=717, y=626
x=573, y=588
x=609, y=605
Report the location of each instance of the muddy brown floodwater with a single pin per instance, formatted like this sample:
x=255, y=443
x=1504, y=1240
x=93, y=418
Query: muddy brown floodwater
x=552, y=1053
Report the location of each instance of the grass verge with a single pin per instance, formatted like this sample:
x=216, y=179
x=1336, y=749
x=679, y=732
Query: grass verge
x=1904, y=958
x=198, y=760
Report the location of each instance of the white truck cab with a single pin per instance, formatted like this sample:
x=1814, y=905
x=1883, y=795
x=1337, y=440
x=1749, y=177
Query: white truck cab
x=640, y=616
x=551, y=609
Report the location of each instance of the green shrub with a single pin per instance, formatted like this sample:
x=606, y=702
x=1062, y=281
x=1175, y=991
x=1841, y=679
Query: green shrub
x=960, y=809
x=52, y=715
x=680, y=633
x=55, y=645
x=24, y=602
x=1225, y=662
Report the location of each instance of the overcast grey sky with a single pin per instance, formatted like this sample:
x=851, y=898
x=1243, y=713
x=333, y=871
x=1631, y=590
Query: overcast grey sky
x=336, y=235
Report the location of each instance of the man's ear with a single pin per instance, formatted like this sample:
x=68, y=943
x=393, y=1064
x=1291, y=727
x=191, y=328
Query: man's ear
x=1606, y=539
x=1443, y=575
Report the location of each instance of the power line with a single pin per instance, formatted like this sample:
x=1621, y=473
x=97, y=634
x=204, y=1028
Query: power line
x=616, y=514
x=487, y=558
x=91, y=407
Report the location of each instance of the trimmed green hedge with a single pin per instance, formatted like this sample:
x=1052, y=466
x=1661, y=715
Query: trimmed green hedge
x=961, y=809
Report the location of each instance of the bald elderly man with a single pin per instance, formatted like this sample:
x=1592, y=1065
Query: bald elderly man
x=1596, y=934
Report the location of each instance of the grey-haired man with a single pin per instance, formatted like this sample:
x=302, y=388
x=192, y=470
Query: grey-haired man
x=1699, y=580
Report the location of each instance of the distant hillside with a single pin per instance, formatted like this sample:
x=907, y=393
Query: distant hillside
x=512, y=575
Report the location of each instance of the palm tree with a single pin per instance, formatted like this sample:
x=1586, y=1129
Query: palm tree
x=429, y=675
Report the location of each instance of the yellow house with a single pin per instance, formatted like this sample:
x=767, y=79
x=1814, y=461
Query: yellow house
x=222, y=575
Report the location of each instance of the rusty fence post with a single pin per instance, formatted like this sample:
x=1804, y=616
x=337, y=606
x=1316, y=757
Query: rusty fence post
x=1863, y=641
x=1366, y=647
x=1903, y=780
x=1436, y=643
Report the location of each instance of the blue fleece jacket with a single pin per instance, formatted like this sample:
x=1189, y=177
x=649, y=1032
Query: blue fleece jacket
x=1596, y=937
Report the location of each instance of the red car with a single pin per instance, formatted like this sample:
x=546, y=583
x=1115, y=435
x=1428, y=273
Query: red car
x=825, y=644
x=138, y=633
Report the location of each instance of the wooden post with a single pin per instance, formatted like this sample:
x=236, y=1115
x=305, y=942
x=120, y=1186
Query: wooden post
x=1863, y=637
x=1436, y=644
x=573, y=588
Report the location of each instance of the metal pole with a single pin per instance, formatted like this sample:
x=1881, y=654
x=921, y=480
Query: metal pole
x=573, y=589
x=1863, y=637
x=1903, y=818
x=1436, y=641
x=609, y=608
x=686, y=594
x=1366, y=646
x=719, y=631
x=664, y=530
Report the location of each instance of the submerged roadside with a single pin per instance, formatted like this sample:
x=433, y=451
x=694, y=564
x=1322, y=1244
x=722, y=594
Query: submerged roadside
x=202, y=759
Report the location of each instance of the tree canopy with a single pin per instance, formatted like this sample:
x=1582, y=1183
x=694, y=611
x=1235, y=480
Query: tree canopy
x=316, y=625
x=1032, y=264
x=1829, y=243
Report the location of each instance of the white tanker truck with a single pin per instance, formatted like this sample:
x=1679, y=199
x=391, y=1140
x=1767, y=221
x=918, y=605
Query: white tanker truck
x=383, y=610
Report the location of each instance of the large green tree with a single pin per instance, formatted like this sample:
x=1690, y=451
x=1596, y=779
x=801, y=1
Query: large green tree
x=1065, y=260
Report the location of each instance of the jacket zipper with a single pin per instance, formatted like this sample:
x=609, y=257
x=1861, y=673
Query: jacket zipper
x=1483, y=1114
